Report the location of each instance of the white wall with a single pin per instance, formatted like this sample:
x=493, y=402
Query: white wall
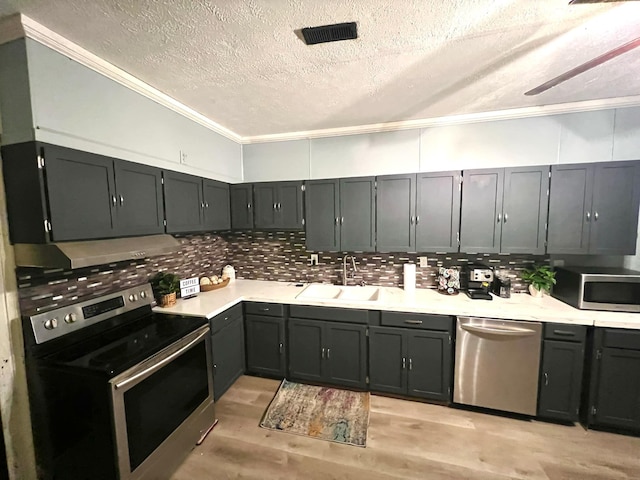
x=279, y=160
x=76, y=107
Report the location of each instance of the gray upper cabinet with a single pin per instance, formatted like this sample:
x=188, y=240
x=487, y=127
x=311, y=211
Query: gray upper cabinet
x=438, y=211
x=195, y=204
x=60, y=194
x=241, y=206
x=481, y=207
x=396, y=213
x=340, y=214
x=216, y=205
x=357, y=214
x=183, y=202
x=140, y=209
x=278, y=205
x=504, y=210
x=322, y=214
x=594, y=208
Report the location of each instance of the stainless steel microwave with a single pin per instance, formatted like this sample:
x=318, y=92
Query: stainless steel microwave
x=598, y=288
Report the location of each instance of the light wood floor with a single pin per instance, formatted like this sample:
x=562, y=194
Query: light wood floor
x=405, y=440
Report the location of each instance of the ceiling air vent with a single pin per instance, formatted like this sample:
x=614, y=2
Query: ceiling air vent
x=330, y=33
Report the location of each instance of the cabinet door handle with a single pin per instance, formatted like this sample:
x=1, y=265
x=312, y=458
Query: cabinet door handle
x=328, y=353
x=410, y=364
x=546, y=379
x=341, y=220
x=279, y=206
x=206, y=204
x=337, y=220
x=499, y=217
x=202, y=205
x=412, y=220
x=281, y=348
x=506, y=217
x=322, y=354
x=564, y=333
x=114, y=201
x=265, y=309
x=248, y=206
x=413, y=322
x=588, y=216
x=417, y=219
x=275, y=205
x=595, y=216
x=121, y=200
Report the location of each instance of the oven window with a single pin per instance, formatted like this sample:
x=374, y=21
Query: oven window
x=159, y=404
x=622, y=293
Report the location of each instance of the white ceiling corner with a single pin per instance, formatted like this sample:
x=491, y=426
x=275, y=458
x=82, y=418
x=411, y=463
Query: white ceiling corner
x=238, y=68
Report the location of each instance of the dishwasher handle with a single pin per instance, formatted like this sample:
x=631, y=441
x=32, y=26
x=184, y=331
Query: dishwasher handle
x=500, y=331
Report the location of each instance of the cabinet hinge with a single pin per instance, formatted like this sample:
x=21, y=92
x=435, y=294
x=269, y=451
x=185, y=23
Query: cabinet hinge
x=367, y=332
x=303, y=222
x=449, y=392
x=458, y=238
x=47, y=226
x=40, y=162
x=367, y=379
x=547, y=192
x=598, y=354
x=449, y=339
x=594, y=410
x=460, y=183
x=162, y=180
x=164, y=222
x=549, y=173
x=303, y=188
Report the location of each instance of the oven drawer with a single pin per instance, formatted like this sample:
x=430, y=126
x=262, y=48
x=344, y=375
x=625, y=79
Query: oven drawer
x=263, y=308
x=417, y=320
x=225, y=318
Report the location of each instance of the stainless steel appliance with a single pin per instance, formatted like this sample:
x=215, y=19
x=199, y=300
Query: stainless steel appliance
x=116, y=391
x=598, y=288
x=477, y=280
x=497, y=364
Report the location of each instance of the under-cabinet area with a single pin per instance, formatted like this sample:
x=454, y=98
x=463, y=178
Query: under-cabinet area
x=578, y=373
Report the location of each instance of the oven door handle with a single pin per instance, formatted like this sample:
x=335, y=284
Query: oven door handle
x=157, y=366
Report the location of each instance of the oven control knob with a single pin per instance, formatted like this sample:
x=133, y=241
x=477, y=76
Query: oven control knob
x=70, y=317
x=133, y=297
x=51, y=323
x=143, y=294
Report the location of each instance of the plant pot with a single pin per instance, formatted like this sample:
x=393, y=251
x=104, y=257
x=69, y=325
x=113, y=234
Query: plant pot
x=535, y=292
x=165, y=301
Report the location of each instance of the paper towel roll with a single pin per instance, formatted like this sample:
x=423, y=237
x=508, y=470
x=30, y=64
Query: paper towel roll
x=409, y=276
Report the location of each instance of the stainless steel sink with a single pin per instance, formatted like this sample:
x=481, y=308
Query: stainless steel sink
x=344, y=294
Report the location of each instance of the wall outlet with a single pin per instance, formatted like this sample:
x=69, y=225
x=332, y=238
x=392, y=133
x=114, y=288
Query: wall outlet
x=423, y=262
x=183, y=157
x=314, y=259
x=557, y=263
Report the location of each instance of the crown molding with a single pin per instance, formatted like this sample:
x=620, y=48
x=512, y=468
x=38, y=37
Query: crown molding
x=19, y=26
x=34, y=30
x=515, y=113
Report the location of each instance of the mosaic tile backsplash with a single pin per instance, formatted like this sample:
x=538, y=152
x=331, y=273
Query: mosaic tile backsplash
x=279, y=256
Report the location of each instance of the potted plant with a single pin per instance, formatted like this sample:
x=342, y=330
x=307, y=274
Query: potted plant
x=541, y=278
x=165, y=287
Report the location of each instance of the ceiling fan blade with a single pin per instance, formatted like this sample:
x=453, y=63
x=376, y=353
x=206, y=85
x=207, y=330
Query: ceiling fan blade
x=605, y=57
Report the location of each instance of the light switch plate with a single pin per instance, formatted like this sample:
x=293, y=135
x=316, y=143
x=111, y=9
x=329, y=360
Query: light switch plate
x=423, y=262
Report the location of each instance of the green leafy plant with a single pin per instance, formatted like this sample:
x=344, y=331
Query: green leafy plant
x=164, y=283
x=541, y=277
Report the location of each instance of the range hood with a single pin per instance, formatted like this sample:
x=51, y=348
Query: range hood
x=72, y=255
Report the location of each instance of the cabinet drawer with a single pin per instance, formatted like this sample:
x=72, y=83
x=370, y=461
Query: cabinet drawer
x=225, y=318
x=417, y=320
x=348, y=315
x=618, y=338
x=263, y=308
x=568, y=333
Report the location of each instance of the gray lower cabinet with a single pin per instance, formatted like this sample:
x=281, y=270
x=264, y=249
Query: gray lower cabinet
x=328, y=352
x=561, y=372
x=594, y=208
x=504, y=210
x=614, y=396
x=278, y=205
x=340, y=214
x=228, y=349
x=265, y=344
x=418, y=212
x=241, y=199
x=412, y=361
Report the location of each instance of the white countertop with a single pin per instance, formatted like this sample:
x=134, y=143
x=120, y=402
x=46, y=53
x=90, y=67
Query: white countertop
x=520, y=306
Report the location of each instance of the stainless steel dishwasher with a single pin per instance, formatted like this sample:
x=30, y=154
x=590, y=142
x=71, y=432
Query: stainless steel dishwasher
x=497, y=364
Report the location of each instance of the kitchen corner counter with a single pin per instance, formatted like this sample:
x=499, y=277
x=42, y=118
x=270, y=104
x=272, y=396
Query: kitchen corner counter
x=518, y=307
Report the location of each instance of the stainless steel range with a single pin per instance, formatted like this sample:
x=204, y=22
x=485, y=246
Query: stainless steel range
x=116, y=391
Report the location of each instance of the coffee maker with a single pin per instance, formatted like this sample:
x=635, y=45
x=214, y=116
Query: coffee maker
x=477, y=282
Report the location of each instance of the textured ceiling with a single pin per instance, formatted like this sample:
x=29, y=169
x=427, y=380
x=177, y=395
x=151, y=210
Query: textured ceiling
x=240, y=63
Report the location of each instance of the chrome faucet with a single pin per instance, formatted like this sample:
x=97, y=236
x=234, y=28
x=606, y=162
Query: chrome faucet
x=344, y=267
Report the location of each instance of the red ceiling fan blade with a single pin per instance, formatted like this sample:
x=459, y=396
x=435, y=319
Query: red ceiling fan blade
x=605, y=57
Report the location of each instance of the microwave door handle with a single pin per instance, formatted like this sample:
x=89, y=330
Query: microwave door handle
x=156, y=366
